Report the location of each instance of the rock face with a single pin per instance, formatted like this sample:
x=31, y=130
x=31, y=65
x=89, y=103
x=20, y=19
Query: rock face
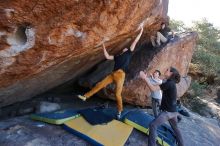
x=197, y=130
x=46, y=43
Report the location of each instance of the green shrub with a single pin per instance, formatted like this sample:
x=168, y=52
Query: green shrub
x=209, y=62
x=197, y=87
x=192, y=101
x=207, y=53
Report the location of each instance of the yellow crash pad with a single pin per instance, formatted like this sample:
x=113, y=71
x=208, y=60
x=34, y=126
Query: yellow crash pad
x=114, y=133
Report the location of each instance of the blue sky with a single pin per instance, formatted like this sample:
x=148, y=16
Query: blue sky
x=190, y=10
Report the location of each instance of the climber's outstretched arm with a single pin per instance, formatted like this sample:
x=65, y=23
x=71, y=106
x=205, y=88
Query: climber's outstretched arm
x=144, y=77
x=107, y=56
x=136, y=39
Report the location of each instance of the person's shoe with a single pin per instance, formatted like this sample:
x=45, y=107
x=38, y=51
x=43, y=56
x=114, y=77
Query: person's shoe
x=184, y=112
x=118, y=116
x=82, y=97
x=179, y=118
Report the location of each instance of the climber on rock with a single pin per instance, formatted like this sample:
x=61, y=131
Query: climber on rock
x=118, y=75
x=163, y=36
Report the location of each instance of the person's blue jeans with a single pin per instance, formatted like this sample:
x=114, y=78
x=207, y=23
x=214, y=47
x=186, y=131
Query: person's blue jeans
x=162, y=118
x=155, y=106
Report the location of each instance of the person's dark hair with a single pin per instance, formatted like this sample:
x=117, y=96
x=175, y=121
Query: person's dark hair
x=163, y=23
x=175, y=75
x=158, y=72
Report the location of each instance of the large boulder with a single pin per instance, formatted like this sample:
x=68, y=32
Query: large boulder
x=46, y=43
x=177, y=53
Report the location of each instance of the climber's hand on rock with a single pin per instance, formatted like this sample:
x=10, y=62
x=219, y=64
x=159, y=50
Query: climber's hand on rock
x=140, y=27
x=142, y=75
x=103, y=45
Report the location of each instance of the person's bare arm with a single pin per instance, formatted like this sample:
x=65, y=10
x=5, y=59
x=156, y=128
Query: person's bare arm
x=136, y=39
x=151, y=87
x=107, y=56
